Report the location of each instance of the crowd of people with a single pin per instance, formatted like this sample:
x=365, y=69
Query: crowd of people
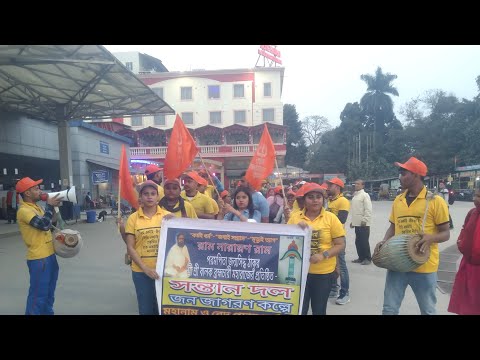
x=322, y=207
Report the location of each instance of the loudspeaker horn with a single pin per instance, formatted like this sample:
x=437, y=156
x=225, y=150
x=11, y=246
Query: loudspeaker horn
x=65, y=195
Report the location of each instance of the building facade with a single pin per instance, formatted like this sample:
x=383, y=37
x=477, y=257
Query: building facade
x=29, y=147
x=225, y=110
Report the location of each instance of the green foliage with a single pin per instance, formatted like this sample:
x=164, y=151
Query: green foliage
x=377, y=105
x=438, y=129
x=296, y=148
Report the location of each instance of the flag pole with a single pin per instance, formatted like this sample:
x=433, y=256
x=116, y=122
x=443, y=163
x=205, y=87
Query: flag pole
x=285, y=203
x=208, y=173
x=119, y=214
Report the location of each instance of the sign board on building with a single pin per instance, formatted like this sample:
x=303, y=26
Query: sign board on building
x=99, y=176
x=467, y=168
x=104, y=147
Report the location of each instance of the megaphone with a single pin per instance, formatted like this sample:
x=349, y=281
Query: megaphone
x=65, y=195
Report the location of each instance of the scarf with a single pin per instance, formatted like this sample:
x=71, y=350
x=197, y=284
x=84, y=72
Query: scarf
x=181, y=206
x=469, y=239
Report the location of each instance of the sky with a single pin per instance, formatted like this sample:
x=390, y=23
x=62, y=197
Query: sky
x=322, y=79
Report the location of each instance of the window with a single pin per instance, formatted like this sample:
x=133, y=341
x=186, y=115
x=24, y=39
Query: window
x=269, y=115
x=186, y=93
x=214, y=91
x=239, y=116
x=187, y=117
x=159, y=120
x=137, y=121
x=159, y=92
x=129, y=65
x=215, y=117
x=238, y=91
x=267, y=89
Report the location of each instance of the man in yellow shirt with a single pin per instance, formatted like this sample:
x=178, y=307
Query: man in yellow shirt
x=409, y=209
x=201, y=203
x=174, y=203
x=340, y=206
x=153, y=172
x=42, y=263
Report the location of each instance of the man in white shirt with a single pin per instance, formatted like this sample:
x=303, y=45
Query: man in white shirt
x=177, y=259
x=361, y=217
x=445, y=194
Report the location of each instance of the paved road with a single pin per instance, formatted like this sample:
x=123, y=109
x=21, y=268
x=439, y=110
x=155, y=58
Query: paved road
x=97, y=282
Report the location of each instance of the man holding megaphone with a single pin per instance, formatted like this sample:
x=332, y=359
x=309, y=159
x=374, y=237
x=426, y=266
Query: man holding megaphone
x=35, y=224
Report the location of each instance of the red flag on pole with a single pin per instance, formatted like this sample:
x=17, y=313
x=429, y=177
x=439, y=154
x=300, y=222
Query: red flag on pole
x=127, y=190
x=181, y=150
x=262, y=162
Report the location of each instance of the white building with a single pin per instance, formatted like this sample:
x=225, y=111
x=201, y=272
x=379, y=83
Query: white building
x=224, y=109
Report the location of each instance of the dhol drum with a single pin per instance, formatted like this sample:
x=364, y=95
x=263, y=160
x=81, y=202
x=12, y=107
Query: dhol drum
x=400, y=253
x=67, y=243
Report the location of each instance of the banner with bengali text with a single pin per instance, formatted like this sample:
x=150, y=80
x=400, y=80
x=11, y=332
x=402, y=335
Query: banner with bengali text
x=231, y=268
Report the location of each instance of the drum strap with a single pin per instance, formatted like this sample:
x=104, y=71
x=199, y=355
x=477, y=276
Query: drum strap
x=428, y=197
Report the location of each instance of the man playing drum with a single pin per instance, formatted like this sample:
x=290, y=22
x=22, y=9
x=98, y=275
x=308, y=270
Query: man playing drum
x=407, y=216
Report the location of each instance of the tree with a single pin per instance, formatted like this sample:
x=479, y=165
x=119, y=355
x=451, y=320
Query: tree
x=377, y=104
x=296, y=148
x=313, y=128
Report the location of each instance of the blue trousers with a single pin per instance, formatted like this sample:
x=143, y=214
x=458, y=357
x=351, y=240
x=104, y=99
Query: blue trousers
x=43, y=282
x=146, y=293
x=344, y=278
x=423, y=285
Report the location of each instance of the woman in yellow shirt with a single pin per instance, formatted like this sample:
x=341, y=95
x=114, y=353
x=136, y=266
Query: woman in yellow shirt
x=328, y=239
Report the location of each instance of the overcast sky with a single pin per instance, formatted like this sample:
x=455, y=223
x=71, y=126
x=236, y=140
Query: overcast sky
x=322, y=79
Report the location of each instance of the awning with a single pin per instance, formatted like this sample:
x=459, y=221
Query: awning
x=107, y=165
x=72, y=82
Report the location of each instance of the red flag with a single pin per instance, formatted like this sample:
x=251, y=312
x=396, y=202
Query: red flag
x=262, y=162
x=127, y=190
x=181, y=150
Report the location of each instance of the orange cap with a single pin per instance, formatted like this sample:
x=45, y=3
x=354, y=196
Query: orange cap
x=278, y=189
x=414, y=165
x=26, y=183
x=151, y=169
x=196, y=177
x=336, y=181
x=146, y=184
x=224, y=193
x=301, y=191
x=291, y=192
x=324, y=186
x=311, y=187
x=171, y=181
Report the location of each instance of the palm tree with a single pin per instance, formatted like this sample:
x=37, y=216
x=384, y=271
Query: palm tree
x=376, y=103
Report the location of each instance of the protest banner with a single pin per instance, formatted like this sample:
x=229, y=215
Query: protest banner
x=226, y=267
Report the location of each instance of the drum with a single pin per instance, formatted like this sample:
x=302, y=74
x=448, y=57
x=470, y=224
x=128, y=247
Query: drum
x=400, y=253
x=67, y=243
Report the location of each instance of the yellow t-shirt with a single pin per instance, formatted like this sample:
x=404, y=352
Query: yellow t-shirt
x=408, y=220
x=338, y=203
x=210, y=190
x=39, y=243
x=147, y=235
x=325, y=228
x=161, y=193
x=216, y=209
x=188, y=209
x=295, y=206
x=200, y=202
